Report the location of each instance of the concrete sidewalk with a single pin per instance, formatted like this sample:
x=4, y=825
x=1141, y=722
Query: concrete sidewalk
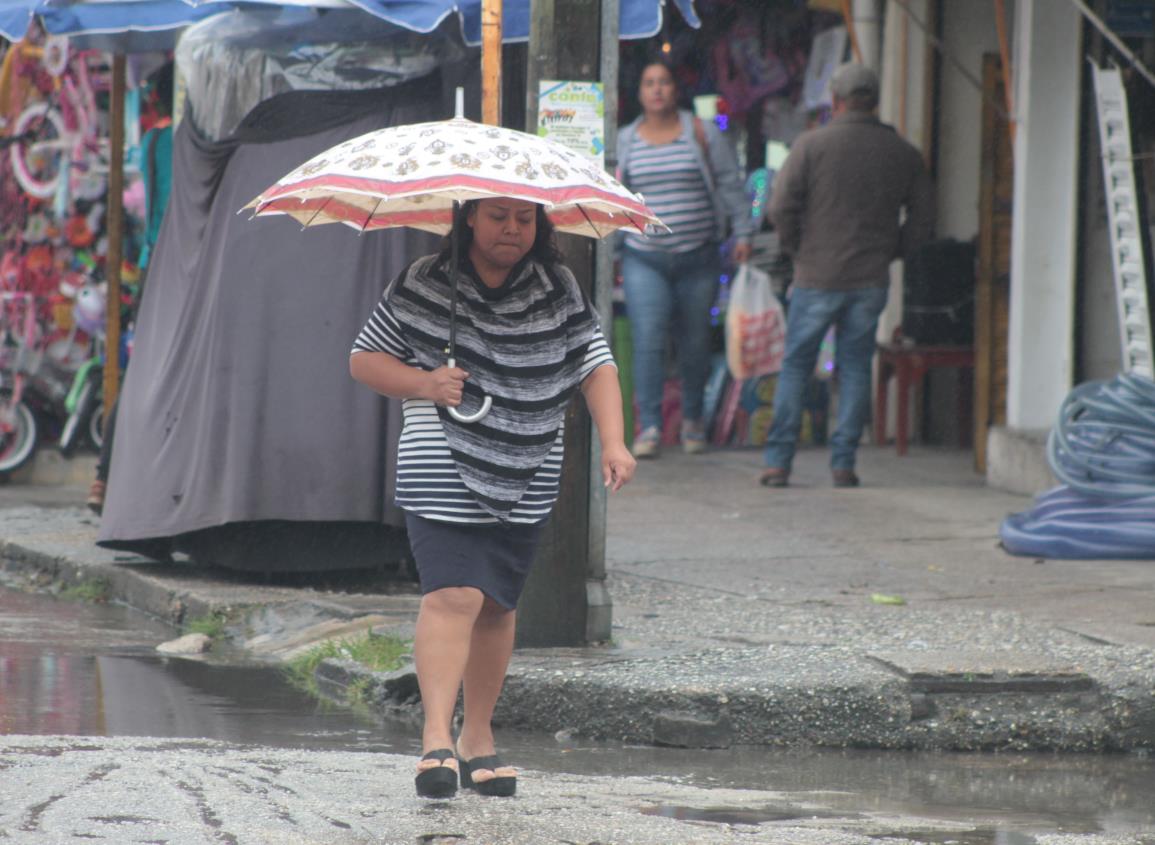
x=747, y=615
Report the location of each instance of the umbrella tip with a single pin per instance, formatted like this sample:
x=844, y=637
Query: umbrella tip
x=459, y=107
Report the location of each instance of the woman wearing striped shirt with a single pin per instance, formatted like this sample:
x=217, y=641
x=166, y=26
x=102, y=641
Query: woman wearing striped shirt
x=688, y=175
x=475, y=495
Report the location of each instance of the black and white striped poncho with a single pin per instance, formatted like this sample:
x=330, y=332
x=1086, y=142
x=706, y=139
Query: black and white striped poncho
x=528, y=344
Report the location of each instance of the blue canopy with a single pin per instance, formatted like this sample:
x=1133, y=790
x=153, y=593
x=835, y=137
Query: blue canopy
x=639, y=18
x=104, y=17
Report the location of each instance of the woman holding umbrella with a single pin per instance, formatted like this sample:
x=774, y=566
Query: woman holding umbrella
x=480, y=454
x=476, y=493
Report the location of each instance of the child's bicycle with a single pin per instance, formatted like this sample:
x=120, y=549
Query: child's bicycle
x=55, y=145
x=18, y=360
x=84, y=404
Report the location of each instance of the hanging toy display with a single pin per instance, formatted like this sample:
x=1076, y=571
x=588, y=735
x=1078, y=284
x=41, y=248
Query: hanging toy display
x=53, y=184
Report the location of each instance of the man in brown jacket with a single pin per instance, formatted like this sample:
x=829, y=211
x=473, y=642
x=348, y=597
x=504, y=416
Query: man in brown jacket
x=838, y=205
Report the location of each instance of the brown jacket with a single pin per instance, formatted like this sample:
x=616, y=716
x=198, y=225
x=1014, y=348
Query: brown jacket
x=837, y=202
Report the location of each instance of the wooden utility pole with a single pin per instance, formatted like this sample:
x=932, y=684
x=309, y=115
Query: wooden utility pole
x=114, y=257
x=491, y=62
x=851, y=30
x=1005, y=61
x=565, y=601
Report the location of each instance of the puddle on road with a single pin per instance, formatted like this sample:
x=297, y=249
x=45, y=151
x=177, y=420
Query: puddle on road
x=92, y=670
x=732, y=815
x=976, y=837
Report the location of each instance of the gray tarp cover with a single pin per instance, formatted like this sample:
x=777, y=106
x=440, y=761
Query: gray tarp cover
x=238, y=405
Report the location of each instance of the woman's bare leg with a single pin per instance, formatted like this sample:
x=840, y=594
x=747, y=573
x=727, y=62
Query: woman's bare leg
x=489, y=653
x=441, y=649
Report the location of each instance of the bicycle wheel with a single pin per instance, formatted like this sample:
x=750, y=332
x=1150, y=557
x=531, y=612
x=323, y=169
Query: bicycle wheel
x=96, y=427
x=39, y=161
x=79, y=419
x=18, y=434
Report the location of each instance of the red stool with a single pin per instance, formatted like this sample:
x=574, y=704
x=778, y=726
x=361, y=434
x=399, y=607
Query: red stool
x=909, y=365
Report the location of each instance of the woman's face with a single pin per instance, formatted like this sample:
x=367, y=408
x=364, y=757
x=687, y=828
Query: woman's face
x=503, y=231
x=657, y=92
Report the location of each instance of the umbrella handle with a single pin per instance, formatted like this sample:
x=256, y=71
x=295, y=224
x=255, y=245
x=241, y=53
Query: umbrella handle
x=476, y=416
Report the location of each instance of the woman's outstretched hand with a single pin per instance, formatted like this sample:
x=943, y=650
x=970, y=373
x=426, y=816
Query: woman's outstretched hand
x=445, y=385
x=618, y=466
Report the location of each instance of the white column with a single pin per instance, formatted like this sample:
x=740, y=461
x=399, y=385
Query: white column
x=1048, y=65
x=867, y=15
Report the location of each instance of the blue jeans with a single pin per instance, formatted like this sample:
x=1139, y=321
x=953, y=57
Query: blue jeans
x=854, y=313
x=664, y=288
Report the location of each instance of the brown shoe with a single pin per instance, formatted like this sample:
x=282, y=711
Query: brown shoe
x=95, y=499
x=774, y=477
x=844, y=478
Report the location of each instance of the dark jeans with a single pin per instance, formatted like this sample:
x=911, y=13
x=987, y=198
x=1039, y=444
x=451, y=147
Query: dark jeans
x=665, y=289
x=854, y=314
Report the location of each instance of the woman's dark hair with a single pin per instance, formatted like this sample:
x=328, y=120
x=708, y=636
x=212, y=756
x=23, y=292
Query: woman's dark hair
x=661, y=60
x=161, y=82
x=544, y=247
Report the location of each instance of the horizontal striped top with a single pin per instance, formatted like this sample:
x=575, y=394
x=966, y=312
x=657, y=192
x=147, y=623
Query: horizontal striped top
x=668, y=177
x=429, y=482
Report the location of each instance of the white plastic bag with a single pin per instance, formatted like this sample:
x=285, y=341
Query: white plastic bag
x=755, y=326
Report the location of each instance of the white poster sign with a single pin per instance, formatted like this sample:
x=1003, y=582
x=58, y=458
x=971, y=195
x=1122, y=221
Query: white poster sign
x=573, y=114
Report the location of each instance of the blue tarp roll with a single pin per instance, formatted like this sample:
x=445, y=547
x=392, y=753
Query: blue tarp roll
x=1103, y=450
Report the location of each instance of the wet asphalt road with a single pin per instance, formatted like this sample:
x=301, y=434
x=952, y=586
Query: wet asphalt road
x=105, y=740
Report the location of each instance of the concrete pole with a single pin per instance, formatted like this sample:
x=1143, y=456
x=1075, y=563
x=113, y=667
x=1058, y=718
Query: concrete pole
x=1041, y=344
x=541, y=57
x=565, y=602
x=599, y=614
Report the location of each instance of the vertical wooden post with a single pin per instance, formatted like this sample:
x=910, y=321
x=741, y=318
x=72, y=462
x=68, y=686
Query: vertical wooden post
x=491, y=62
x=903, y=74
x=1005, y=60
x=992, y=283
x=852, y=31
x=930, y=90
x=115, y=232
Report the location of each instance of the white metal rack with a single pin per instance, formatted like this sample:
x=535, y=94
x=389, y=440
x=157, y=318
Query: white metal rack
x=1124, y=222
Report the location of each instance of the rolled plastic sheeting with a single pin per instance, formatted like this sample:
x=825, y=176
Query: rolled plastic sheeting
x=1066, y=524
x=1103, y=450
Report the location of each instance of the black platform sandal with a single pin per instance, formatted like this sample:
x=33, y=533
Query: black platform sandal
x=502, y=787
x=439, y=781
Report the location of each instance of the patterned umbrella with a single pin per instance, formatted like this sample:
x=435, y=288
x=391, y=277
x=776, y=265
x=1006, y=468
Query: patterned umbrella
x=412, y=176
x=417, y=175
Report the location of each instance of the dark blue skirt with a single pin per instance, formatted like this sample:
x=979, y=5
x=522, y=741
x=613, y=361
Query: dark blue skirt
x=493, y=557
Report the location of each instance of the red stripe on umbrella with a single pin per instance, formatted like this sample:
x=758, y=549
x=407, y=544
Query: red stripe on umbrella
x=336, y=210
x=562, y=195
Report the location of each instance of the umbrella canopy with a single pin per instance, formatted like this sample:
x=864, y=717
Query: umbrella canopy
x=412, y=176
